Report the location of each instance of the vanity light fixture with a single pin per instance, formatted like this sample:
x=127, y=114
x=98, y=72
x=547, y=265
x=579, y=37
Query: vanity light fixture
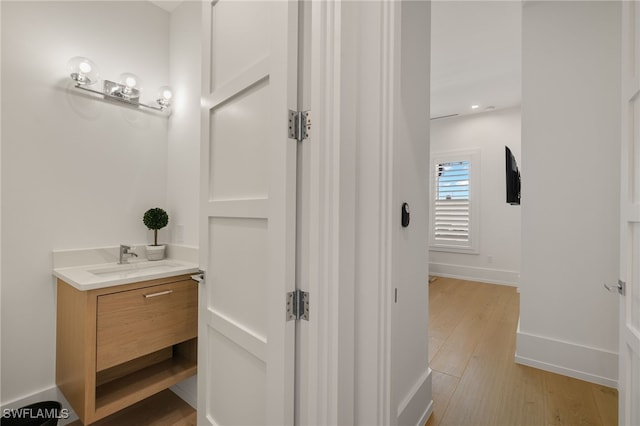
x=164, y=96
x=85, y=73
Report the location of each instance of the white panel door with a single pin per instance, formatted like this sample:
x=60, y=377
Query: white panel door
x=247, y=228
x=629, y=364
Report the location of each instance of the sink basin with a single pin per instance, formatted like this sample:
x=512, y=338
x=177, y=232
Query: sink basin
x=134, y=268
x=91, y=277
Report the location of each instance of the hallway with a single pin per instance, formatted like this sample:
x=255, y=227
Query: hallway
x=475, y=380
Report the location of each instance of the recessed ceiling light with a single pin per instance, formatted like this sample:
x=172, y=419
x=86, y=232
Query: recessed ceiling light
x=475, y=106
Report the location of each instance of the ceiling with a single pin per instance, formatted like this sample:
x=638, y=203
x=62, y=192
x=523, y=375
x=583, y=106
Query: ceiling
x=168, y=5
x=475, y=56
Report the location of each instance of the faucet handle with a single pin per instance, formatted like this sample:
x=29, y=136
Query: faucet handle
x=125, y=253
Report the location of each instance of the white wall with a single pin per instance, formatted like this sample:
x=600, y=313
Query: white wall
x=498, y=260
x=389, y=87
x=183, y=164
x=76, y=171
x=411, y=383
x=570, y=200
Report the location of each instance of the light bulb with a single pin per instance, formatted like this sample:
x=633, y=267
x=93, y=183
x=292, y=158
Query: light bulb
x=82, y=70
x=130, y=86
x=129, y=80
x=164, y=96
x=85, y=67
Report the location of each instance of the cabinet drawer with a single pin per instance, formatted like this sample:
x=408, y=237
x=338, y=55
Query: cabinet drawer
x=134, y=323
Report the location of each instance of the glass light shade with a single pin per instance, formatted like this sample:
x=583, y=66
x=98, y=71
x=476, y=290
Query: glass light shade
x=130, y=82
x=82, y=70
x=165, y=95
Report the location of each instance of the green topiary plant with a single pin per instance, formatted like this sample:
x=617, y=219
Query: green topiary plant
x=155, y=219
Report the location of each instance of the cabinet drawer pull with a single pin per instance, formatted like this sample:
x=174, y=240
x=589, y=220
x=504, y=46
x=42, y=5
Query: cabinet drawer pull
x=160, y=293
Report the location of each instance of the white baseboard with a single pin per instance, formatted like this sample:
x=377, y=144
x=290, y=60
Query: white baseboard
x=472, y=273
x=50, y=394
x=185, y=390
x=425, y=416
x=569, y=359
x=412, y=410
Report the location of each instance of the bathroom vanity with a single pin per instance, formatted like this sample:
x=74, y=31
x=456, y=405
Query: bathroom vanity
x=126, y=339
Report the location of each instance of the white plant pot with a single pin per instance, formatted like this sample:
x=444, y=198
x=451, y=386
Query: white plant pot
x=155, y=252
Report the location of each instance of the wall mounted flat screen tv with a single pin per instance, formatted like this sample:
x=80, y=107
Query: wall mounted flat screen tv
x=513, y=178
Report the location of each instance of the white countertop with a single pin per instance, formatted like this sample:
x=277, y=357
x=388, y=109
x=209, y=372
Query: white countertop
x=90, y=277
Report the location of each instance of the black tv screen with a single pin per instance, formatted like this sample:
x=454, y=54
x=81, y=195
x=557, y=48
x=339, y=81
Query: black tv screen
x=512, y=177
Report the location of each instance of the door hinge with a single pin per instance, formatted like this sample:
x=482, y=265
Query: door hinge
x=298, y=305
x=299, y=125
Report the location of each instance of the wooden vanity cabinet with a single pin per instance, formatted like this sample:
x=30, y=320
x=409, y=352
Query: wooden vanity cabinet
x=118, y=345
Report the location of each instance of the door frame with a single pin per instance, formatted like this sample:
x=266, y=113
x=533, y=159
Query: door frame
x=326, y=383
x=629, y=210
x=346, y=343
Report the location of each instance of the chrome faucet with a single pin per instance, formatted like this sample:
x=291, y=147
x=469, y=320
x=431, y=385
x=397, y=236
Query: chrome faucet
x=125, y=254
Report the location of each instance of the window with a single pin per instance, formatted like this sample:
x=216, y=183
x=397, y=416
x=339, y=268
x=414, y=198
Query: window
x=454, y=201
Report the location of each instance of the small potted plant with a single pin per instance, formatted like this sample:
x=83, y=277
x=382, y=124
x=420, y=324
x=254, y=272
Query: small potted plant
x=154, y=219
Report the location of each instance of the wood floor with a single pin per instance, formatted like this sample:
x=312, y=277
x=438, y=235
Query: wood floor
x=472, y=329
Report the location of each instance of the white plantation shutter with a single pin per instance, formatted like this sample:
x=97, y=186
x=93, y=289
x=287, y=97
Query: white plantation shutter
x=454, y=196
x=452, y=201
x=452, y=220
